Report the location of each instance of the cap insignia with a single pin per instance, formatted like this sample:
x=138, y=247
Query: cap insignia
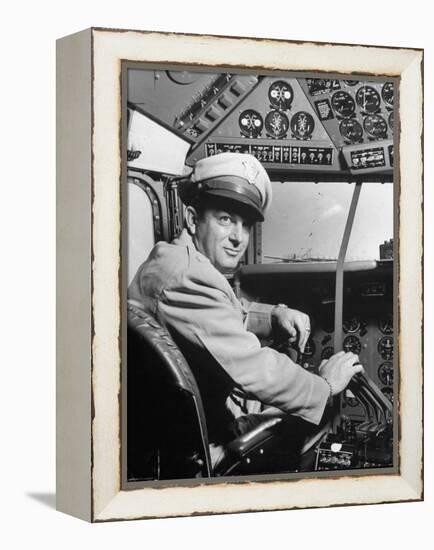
x=252, y=172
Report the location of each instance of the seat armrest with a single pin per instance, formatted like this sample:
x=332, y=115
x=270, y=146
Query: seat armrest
x=248, y=441
x=242, y=446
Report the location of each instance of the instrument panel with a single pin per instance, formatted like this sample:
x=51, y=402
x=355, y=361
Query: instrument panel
x=295, y=124
x=367, y=326
x=276, y=124
x=359, y=118
x=368, y=336
x=352, y=111
x=362, y=431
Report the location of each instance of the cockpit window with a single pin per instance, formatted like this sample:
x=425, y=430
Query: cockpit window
x=306, y=221
x=373, y=223
x=141, y=236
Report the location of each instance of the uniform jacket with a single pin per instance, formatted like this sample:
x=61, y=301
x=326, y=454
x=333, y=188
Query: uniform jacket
x=215, y=331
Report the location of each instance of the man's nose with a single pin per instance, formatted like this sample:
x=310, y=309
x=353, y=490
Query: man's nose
x=236, y=234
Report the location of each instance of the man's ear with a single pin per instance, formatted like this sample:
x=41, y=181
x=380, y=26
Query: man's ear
x=191, y=219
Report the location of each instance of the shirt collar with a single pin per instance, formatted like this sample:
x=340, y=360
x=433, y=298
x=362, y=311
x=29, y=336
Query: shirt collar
x=185, y=239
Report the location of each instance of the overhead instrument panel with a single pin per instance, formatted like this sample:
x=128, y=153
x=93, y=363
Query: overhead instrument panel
x=214, y=103
x=358, y=117
x=305, y=125
x=276, y=123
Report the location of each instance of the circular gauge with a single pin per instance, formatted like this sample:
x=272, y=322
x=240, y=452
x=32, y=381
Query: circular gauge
x=388, y=392
x=385, y=348
x=302, y=125
x=350, y=399
x=280, y=94
x=385, y=324
x=387, y=93
x=250, y=123
x=327, y=352
x=276, y=124
x=351, y=82
x=368, y=99
x=351, y=324
x=375, y=126
x=351, y=130
x=343, y=103
x=183, y=77
x=385, y=373
x=352, y=343
x=390, y=120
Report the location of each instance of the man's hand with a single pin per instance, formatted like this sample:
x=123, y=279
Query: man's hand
x=339, y=369
x=292, y=323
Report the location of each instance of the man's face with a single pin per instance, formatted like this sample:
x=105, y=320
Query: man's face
x=222, y=234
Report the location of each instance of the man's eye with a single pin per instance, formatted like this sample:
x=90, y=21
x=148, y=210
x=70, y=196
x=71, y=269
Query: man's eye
x=225, y=220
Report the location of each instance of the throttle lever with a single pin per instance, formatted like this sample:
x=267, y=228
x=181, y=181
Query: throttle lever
x=376, y=393
x=361, y=382
x=367, y=407
x=372, y=403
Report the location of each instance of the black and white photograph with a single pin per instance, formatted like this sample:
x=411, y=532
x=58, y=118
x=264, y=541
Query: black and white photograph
x=259, y=266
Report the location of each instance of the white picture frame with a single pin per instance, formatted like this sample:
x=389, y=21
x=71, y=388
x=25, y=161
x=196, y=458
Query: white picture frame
x=88, y=261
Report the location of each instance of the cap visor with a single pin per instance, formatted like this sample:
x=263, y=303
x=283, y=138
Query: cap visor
x=244, y=202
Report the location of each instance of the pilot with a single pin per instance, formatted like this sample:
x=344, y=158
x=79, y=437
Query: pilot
x=184, y=285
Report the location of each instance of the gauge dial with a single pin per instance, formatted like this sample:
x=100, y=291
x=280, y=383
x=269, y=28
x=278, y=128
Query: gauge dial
x=351, y=324
x=388, y=392
x=385, y=348
x=281, y=95
x=302, y=125
x=352, y=343
x=368, y=99
x=375, y=126
x=183, y=77
x=385, y=373
x=387, y=93
x=351, y=82
x=385, y=324
x=250, y=123
x=390, y=120
x=276, y=124
x=327, y=352
x=351, y=130
x=343, y=103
